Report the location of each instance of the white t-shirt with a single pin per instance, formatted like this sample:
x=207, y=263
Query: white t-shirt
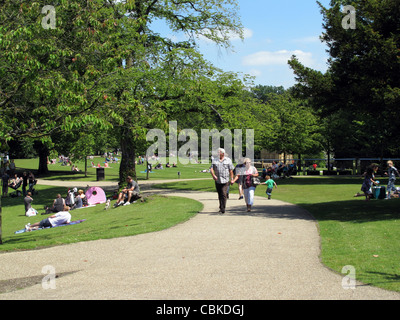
x=61, y=217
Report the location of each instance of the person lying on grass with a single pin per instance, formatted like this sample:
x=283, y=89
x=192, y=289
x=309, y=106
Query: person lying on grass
x=60, y=218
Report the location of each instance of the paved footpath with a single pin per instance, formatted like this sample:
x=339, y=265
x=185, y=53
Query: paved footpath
x=271, y=253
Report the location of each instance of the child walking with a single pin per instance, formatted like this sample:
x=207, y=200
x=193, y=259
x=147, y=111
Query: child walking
x=270, y=186
x=392, y=171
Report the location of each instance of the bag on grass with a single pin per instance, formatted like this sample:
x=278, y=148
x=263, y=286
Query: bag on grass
x=31, y=212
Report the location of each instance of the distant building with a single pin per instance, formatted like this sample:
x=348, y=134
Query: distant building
x=279, y=157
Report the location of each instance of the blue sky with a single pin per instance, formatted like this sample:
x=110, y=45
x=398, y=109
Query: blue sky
x=274, y=30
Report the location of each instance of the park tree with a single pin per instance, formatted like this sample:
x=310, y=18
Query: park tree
x=363, y=71
x=51, y=77
x=222, y=101
x=263, y=92
x=58, y=69
x=160, y=72
x=294, y=126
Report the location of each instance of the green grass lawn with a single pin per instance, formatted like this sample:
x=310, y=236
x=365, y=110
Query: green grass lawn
x=154, y=214
x=353, y=232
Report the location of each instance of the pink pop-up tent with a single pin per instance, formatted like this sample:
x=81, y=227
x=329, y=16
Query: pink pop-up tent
x=95, y=195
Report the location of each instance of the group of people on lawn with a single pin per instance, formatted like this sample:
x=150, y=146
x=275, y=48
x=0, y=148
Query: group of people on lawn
x=58, y=204
x=61, y=208
x=14, y=182
x=370, y=181
x=224, y=174
x=280, y=170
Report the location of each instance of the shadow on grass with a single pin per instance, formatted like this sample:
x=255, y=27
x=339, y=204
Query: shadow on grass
x=392, y=277
x=45, y=196
x=355, y=211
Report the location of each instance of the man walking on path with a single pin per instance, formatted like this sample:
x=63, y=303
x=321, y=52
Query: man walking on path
x=222, y=172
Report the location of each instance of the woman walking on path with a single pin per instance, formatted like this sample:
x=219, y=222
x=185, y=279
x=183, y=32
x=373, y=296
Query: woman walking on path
x=248, y=173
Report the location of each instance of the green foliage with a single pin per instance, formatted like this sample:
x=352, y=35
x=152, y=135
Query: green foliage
x=362, y=79
x=51, y=78
x=289, y=125
x=103, y=65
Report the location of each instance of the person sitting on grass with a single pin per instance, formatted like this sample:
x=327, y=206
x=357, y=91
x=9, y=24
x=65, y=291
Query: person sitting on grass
x=60, y=218
x=28, y=201
x=131, y=191
x=82, y=195
x=78, y=202
x=369, y=180
x=58, y=205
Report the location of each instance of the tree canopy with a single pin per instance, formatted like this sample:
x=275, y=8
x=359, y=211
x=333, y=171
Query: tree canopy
x=362, y=80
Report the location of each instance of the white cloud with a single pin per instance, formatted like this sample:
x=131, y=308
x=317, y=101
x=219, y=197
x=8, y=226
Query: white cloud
x=268, y=58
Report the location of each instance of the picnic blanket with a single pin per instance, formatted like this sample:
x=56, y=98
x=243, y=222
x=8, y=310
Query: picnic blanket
x=63, y=225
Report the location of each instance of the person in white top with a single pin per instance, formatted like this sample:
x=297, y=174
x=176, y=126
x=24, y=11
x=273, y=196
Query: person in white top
x=248, y=173
x=60, y=218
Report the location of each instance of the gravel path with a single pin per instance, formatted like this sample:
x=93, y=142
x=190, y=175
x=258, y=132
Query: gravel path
x=271, y=253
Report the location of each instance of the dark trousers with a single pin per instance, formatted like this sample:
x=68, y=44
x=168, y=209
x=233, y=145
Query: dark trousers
x=222, y=190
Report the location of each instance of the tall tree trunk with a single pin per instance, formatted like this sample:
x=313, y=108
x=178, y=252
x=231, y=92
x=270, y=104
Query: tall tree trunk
x=127, y=167
x=43, y=152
